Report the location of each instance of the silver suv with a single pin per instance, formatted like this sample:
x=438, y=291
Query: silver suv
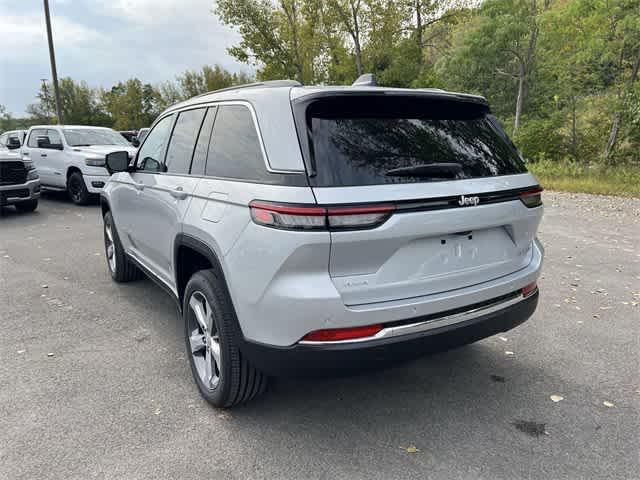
x=320, y=230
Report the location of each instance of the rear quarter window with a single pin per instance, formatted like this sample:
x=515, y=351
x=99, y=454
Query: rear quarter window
x=376, y=140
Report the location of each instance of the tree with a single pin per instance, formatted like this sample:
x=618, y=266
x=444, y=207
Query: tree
x=131, y=104
x=273, y=36
x=196, y=82
x=79, y=104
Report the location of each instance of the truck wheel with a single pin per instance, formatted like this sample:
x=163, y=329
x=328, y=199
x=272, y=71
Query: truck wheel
x=77, y=189
x=28, y=206
x=120, y=267
x=224, y=377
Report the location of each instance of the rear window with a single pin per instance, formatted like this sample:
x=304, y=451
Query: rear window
x=379, y=140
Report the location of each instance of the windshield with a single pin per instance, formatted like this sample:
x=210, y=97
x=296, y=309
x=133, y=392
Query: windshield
x=84, y=137
x=378, y=141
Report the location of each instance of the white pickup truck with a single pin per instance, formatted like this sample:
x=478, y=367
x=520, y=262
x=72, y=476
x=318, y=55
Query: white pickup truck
x=72, y=158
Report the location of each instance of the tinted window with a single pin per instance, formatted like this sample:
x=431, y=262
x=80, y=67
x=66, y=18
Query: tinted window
x=235, y=150
x=151, y=154
x=202, y=146
x=33, y=138
x=183, y=140
x=377, y=140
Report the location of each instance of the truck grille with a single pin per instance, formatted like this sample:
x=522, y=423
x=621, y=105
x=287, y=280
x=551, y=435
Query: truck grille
x=12, y=173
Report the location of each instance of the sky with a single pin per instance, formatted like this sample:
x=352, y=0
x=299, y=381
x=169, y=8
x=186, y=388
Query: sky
x=104, y=41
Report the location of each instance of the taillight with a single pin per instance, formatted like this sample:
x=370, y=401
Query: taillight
x=313, y=217
x=532, y=198
x=337, y=334
x=530, y=289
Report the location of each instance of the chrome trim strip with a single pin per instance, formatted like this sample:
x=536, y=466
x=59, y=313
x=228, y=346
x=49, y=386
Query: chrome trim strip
x=427, y=325
x=249, y=106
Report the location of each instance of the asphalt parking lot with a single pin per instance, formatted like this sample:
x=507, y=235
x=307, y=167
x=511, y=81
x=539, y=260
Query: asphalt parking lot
x=94, y=381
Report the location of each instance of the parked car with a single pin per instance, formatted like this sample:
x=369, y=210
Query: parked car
x=139, y=138
x=19, y=182
x=72, y=158
x=129, y=135
x=12, y=139
x=319, y=230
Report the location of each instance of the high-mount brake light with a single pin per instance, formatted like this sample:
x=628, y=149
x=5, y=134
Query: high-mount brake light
x=313, y=217
x=532, y=198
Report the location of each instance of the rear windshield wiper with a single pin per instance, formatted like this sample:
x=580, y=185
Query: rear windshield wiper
x=441, y=170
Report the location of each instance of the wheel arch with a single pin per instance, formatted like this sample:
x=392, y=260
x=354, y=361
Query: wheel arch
x=104, y=205
x=71, y=170
x=190, y=255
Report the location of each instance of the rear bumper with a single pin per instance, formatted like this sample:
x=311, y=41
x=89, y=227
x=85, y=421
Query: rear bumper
x=12, y=194
x=351, y=357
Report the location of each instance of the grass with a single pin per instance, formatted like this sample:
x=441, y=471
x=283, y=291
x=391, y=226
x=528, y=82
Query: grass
x=573, y=177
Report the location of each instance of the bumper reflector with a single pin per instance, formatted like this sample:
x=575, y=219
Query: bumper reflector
x=337, y=334
x=529, y=289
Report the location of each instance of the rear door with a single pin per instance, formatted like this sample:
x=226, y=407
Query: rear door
x=449, y=178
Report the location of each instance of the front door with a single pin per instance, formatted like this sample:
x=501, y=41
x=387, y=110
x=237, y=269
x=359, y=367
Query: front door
x=166, y=195
x=55, y=159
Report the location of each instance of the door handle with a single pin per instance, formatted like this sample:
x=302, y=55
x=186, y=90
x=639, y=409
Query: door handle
x=138, y=185
x=43, y=154
x=25, y=154
x=178, y=193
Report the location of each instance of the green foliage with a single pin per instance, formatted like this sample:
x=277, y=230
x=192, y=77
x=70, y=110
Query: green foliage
x=131, y=104
x=80, y=104
x=587, y=178
x=561, y=74
x=127, y=105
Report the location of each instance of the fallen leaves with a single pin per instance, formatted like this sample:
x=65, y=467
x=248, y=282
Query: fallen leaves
x=410, y=449
x=556, y=398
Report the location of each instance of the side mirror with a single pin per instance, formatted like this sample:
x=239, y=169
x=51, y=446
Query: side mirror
x=135, y=142
x=13, y=143
x=117, y=161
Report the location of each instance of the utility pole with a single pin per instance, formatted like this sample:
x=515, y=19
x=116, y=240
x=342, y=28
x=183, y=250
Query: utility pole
x=52, y=57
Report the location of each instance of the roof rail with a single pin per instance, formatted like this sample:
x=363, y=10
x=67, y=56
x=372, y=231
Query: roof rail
x=365, y=80
x=268, y=83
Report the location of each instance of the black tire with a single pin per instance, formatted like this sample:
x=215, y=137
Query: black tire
x=125, y=270
x=28, y=206
x=238, y=381
x=77, y=189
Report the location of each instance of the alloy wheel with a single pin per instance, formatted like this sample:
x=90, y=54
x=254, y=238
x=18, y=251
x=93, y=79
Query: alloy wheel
x=110, y=248
x=204, y=341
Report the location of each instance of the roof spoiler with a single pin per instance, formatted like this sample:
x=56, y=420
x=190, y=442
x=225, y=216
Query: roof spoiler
x=365, y=80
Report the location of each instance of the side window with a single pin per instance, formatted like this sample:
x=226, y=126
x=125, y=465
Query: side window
x=202, y=147
x=183, y=140
x=33, y=137
x=235, y=146
x=54, y=137
x=150, y=155
x=13, y=135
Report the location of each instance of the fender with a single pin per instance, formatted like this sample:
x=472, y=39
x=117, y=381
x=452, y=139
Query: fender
x=185, y=240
